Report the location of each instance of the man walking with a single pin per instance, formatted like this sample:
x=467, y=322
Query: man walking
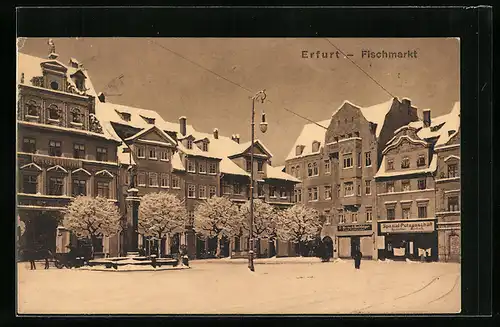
x=357, y=258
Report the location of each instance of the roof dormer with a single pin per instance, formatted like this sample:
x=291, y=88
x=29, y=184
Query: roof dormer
x=299, y=149
x=124, y=115
x=148, y=120
x=315, y=146
x=203, y=144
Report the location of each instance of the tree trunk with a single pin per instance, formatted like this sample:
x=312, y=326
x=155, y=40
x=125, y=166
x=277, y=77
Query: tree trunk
x=159, y=245
x=93, y=239
x=219, y=239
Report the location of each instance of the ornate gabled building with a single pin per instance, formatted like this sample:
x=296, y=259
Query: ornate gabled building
x=337, y=168
x=63, y=151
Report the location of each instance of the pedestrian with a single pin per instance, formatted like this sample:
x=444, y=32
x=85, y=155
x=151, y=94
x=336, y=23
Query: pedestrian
x=357, y=258
x=423, y=256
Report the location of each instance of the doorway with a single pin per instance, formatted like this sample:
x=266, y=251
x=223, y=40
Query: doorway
x=355, y=245
x=328, y=246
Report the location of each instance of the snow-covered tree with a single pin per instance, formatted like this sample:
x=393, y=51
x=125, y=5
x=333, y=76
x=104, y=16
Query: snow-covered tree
x=89, y=217
x=217, y=217
x=161, y=214
x=264, y=218
x=298, y=224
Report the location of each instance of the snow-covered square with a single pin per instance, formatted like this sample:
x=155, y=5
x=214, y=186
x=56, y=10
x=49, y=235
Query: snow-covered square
x=278, y=286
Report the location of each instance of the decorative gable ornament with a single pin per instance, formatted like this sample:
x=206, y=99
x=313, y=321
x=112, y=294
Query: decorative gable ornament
x=31, y=165
x=95, y=126
x=57, y=168
x=104, y=172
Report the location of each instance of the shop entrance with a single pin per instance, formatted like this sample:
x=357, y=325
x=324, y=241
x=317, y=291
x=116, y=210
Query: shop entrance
x=411, y=246
x=328, y=246
x=355, y=244
x=41, y=229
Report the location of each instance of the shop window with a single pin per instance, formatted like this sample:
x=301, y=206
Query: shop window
x=29, y=145
x=226, y=188
x=103, y=189
x=78, y=151
x=55, y=148
x=79, y=187
x=30, y=184
x=102, y=154
x=422, y=212
x=453, y=203
x=422, y=184
x=298, y=195
x=391, y=213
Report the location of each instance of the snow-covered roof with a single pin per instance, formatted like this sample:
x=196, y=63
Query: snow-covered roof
x=125, y=157
x=177, y=162
x=277, y=173
x=146, y=130
x=31, y=67
x=395, y=173
x=400, y=139
x=312, y=132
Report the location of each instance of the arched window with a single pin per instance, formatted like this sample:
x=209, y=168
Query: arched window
x=54, y=112
x=32, y=108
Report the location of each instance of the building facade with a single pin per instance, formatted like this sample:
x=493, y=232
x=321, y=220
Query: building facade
x=63, y=150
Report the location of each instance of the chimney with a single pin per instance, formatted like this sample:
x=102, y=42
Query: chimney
x=235, y=138
x=216, y=133
x=101, y=97
x=427, y=117
x=182, y=123
x=451, y=132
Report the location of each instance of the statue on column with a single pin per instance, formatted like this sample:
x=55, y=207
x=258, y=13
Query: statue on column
x=132, y=174
x=52, y=46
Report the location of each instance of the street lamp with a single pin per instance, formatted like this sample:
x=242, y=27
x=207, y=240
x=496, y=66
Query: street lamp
x=261, y=95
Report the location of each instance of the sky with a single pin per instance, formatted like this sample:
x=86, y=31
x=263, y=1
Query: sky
x=139, y=73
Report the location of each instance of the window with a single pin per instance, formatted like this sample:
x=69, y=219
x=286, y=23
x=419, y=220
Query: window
x=359, y=159
x=204, y=146
x=32, y=108
x=354, y=217
x=191, y=166
x=315, y=169
x=389, y=187
x=422, y=185
x=283, y=194
x=102, y=154
x=298, y=195
x=338, y=191
x=452, y=170
x=328, y=168
x=176, y=182
x=202, y=167
x=348, y=188
x=190, y=215
x=297, y=171
x=391, y=214
x=78, y=151
x=202, y=192
x=312, y=169
x=368, y=188
x=309, y=169
x=141, y=179
x=30, y=184
x=369, y=214
x=272, y=191
x=103, y=189
x=292, y=171
x=164, y=155
x=260, y=190
x=153, y=179
x=313, y=193
x=341, y=217
x=390, y=164
x=29, y=145
x=226, y=188
x=212, y=191
x=237, y=189
x=248, y=165
x=421, y=160
x=191, y=191
x=358, y=189
x=55, y=148
x=368, y=159
x=189, y=144
x=260, y=166
x=422, y=212
x=79, y=187
x=405, y=186
x=406, y=213
x=140, y=152
x=152, y=154
x=328, y=218
x=212, y=168
x=405, y=163
x=347, y=160
x=453, y=203
x=56, y=186
x=328, y=192
x=165, y=180
x=54, y=85
x=54, y=112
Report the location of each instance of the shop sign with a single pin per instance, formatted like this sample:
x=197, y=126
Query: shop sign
x=354, y=227
x=408, y=227
x=52, y=161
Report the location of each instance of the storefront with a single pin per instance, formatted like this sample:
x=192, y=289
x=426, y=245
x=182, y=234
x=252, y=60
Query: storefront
x=402, y=239
x=352, y=237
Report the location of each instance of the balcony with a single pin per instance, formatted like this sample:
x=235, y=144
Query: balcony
x=353, y=200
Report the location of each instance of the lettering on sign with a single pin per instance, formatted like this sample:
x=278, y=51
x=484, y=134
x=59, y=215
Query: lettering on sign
x=354, y=227
x=63, y=162
x=408, y=227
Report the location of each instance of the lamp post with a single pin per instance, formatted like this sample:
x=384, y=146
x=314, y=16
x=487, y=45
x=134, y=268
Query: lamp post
x=261, y=95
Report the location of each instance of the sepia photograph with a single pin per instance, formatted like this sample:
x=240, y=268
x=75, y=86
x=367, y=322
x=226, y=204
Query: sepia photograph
x=238, y=176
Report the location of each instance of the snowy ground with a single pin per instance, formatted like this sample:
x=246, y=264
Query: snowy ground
x=296, y=287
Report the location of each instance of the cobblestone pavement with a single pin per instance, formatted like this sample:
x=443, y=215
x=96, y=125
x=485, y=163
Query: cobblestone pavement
x=216, y=288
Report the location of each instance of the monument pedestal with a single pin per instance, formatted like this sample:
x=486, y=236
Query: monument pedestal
x=133, y=202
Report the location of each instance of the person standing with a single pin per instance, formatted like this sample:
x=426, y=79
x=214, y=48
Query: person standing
x=357, y=258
